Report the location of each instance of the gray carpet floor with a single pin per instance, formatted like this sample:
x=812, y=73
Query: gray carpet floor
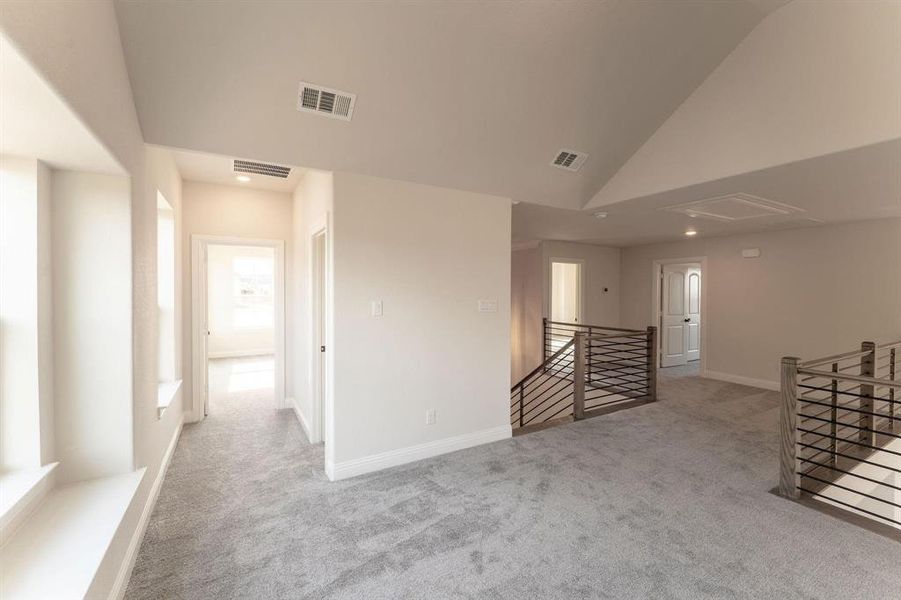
x=667, y=500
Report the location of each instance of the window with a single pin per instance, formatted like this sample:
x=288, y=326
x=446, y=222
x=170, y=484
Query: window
x=253, y=288
x=165, y=281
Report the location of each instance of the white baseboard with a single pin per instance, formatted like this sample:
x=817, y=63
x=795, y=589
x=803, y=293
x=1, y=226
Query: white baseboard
x=241, y=353
x=131, y=554
x=750, y=381
x=304, y=424
x=393, y=458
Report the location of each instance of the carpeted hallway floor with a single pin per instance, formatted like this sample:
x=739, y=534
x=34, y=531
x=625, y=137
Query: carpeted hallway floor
x=669, y=500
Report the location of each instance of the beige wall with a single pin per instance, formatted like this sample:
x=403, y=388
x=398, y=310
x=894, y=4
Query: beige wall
x=233, y=211
x=812, y=292
x=531, y=279
x=600, y=270
x=429, y=254
x=526, y=305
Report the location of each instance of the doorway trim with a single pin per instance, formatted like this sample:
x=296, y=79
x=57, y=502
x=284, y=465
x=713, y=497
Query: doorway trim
x=549, y=283
x=199, y=246
x=657, y=266
x=320, y=335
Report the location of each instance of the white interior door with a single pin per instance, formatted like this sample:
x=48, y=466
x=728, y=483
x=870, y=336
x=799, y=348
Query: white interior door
x=680, y=315
x=693, y=313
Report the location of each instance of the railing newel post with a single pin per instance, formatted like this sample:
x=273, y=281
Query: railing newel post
x=579, y=376
x=789, y=471
x=521, y=391
x=652, y=363
x=867, y=431
x=891, y=394
x=544, y=352
x=833, y=425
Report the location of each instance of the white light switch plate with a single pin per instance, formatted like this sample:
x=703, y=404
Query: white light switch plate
x=487, y=305
x=430, y=416
x=377, y=308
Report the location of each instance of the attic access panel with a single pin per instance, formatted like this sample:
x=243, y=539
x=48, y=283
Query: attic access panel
x=734, y=207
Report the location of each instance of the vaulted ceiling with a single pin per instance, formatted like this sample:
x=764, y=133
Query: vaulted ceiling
x=470, y=95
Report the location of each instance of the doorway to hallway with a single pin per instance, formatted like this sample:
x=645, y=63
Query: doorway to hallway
x=238, y=322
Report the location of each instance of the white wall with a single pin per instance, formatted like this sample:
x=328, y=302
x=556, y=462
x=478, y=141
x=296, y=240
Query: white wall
x=812, y=79
x=26, y=343
x=813, y=292
x=76, y=48
x=91, y=303
x=233, y=211
x=227, y=340
x=429, y=254
x=313, y=205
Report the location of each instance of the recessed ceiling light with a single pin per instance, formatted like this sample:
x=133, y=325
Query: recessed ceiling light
x=600, y=215
x=691, y=232
x=243, y=178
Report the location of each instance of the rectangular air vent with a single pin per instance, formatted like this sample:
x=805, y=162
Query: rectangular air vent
x=569, y=160
x=327, y=102
x=258, y=168
x=734, y=207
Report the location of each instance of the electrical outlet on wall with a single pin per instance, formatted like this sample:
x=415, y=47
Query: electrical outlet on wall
x=430, y=416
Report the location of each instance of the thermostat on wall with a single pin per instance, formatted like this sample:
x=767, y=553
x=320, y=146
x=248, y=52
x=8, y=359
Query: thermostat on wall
x=751, y=253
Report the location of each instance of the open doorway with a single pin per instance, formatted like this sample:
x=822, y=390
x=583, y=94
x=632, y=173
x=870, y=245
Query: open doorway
x=239, y=349
x=679, y=304
x=564, y=299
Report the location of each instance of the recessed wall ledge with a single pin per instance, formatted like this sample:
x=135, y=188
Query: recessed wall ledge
x=20, y=493
x=166, y=392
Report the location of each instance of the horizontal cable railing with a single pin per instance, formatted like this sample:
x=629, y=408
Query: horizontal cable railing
x=585, y=372
x=841, y=431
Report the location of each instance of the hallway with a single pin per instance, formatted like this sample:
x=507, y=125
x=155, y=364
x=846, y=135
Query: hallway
x=668, y=500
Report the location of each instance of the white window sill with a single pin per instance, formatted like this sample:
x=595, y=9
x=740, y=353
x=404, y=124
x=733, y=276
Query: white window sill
x=166, y=392
x=57, y=552
x=20, y=493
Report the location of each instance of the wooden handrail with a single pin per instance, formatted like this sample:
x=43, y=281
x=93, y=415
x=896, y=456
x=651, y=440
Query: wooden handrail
x=542, y=365
x=594, y=326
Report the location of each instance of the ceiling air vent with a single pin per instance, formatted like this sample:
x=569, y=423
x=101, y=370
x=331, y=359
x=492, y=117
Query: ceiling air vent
x=327, y=102
x=258, y=168
x=569, y=160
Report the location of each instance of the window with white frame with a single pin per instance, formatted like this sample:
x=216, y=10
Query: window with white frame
x=165, y=281
x=253, y=292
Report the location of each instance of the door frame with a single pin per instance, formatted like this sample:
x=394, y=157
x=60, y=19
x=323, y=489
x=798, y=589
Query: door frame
x=549, y=285
x=656, y=289
x=199, y=311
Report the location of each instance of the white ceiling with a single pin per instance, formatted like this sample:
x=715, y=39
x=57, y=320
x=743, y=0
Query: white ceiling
x=215, y=168
x=35, y=122
x=470, y=95
x=859, y=184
